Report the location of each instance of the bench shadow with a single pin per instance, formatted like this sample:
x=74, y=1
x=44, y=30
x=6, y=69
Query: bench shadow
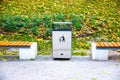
x=50, y=58
x=46, y=58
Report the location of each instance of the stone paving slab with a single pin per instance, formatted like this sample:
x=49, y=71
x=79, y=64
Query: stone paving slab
x=45, y=68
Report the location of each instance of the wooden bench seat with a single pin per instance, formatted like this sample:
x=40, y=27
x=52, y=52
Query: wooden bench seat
x=15, y=44
x=27, y=50
x=107, y=44
x=100, y=50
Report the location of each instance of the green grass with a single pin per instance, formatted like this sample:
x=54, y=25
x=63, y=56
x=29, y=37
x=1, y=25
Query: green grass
x=35, y=17
x=80, y=53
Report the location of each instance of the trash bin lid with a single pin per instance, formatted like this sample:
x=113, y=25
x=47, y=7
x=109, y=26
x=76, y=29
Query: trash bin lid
x=61, y=26
x=62, y=30
x=62, y=23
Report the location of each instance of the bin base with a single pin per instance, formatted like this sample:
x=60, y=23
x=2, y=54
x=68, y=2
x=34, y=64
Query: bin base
x=61, y=58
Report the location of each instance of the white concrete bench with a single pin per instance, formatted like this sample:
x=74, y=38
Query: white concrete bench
x=100, y=50
x=27, y=50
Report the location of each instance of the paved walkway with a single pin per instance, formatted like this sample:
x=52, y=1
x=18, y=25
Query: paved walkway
x=45, y=68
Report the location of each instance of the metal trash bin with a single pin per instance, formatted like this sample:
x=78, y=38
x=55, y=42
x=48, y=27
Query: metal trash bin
x=61, y=41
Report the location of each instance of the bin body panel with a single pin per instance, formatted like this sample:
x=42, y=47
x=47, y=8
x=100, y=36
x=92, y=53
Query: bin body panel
x=61, y=39
x=62, y=44
x=61, y=54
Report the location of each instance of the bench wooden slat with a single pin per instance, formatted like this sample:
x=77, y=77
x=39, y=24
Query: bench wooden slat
x=22, y=44
x=25, y=44
x=13, y=43
x=113, y=44
x=8, y=44
x=29, y=43
x=100, y=44
x=118, y=44
x=108, y=44
x=4, y=43
x=1, y=43
x=17, y=44
x=97, y=44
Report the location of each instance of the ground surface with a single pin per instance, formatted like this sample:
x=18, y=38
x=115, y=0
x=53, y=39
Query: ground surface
x=45, y=68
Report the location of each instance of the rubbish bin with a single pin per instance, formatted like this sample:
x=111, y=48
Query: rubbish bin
x=61, y=40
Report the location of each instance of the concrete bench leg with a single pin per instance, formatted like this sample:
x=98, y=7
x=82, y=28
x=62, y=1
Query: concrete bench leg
x=98, y=53
x=28, y=52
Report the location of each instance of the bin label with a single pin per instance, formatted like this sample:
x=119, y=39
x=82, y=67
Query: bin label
x=62, y=39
